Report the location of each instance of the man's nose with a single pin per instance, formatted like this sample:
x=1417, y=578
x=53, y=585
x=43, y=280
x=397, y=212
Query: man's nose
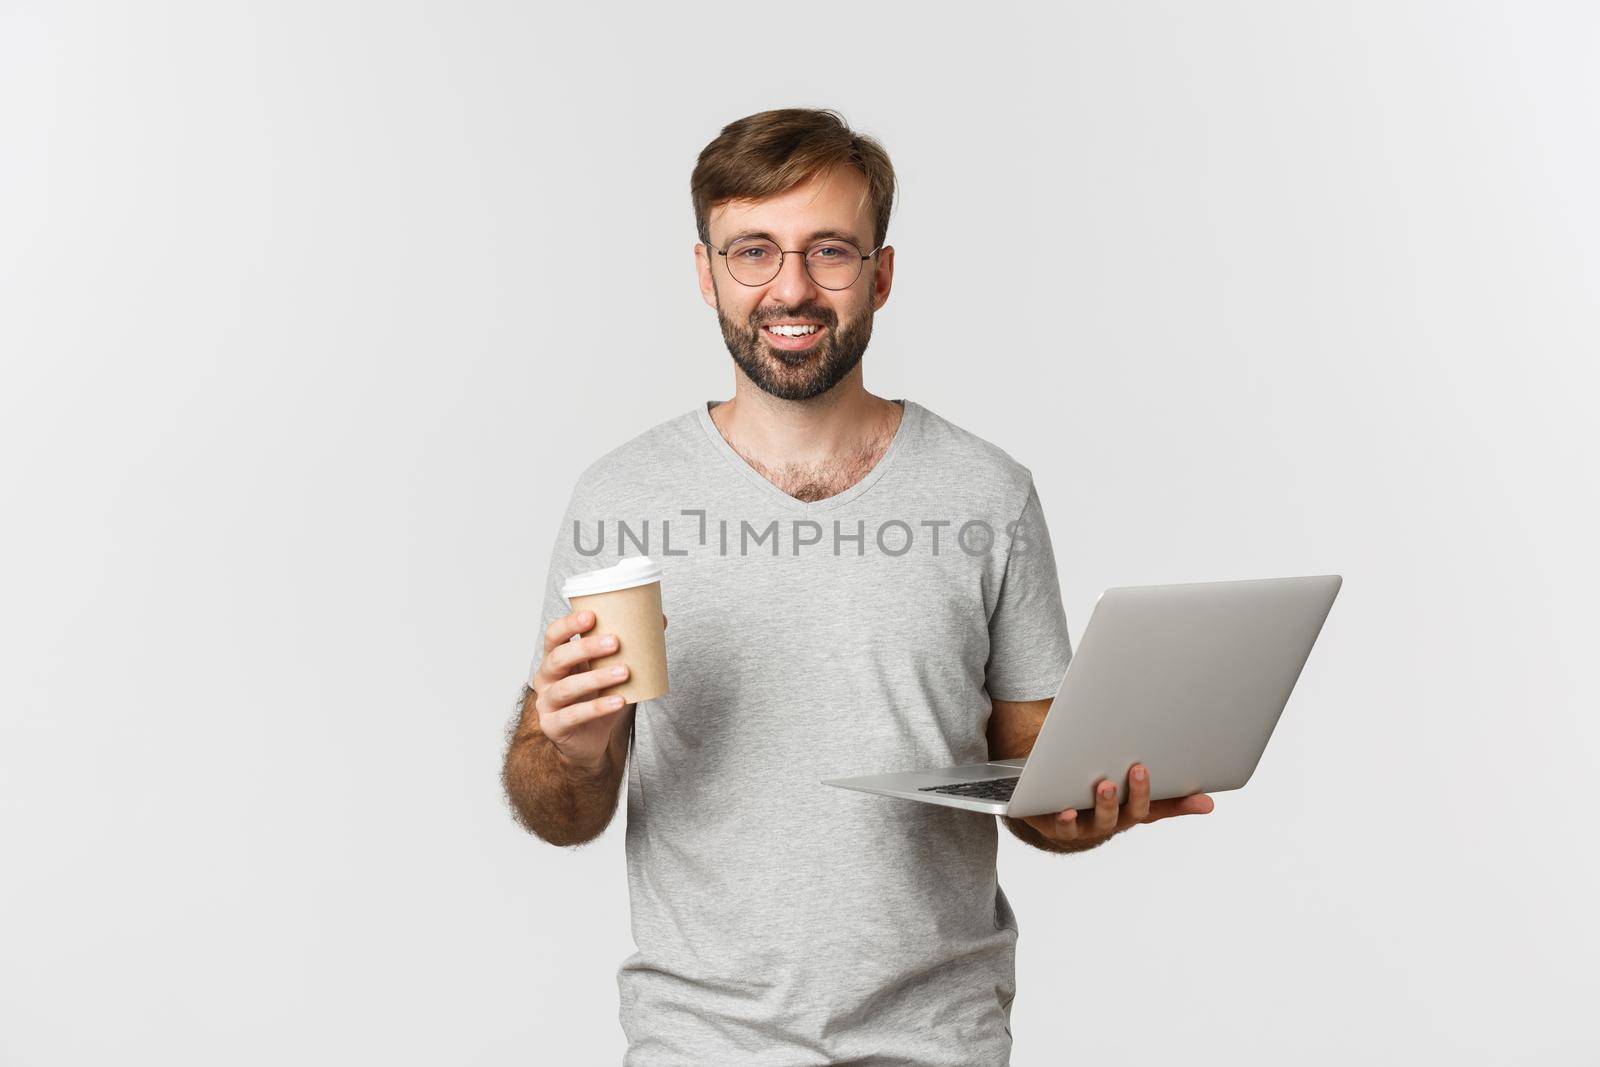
x=793, y=284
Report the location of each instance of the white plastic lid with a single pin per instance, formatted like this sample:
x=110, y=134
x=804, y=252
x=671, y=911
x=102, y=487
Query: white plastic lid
x=635, y=570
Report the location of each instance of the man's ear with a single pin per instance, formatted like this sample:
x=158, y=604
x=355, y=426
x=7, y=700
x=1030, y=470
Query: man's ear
x=702, y=270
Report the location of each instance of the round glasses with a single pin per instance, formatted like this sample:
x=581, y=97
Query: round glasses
x=833, y=264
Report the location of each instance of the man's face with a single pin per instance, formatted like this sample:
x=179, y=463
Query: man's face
x=827, y=202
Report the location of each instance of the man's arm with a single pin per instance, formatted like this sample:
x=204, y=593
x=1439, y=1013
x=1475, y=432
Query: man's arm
x=1014, y=725
x=555, y=800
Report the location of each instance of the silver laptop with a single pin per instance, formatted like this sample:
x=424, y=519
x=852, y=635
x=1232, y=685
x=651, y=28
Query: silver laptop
x=1187, y=679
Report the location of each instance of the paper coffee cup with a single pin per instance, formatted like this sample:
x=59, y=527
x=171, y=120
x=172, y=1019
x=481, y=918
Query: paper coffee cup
x=626, y=601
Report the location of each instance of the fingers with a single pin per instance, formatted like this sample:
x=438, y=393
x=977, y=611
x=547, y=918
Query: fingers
x=573, y=655
x=1067, y=826
x=1105, y=808
x=561, y=631
x=1107, y=818
x=575, y=687
x=563, y=660
x=1138, y=807
x=562, y=721
x=564, y=650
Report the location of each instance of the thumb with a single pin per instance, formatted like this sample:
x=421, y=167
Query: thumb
x=663, y=620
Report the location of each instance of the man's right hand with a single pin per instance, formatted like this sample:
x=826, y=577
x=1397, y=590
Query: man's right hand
x=580, y=725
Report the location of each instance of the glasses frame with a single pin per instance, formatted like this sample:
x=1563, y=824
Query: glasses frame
x=805, y=264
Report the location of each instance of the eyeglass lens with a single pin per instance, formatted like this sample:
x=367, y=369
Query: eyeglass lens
x=833, y=264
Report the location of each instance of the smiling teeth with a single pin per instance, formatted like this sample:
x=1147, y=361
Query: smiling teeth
x=793, y=331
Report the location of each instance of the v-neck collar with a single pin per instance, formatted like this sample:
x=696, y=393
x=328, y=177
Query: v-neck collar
x=910, y=421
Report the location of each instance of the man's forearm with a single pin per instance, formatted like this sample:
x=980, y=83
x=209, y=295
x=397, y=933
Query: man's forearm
x=1033, y=837
x=555, y=800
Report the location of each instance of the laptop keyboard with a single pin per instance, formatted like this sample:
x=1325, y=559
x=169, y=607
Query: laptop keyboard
x=989, y=789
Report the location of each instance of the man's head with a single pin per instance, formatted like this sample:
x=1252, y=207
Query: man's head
x=794, y=175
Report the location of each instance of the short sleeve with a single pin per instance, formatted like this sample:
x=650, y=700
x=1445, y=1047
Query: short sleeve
x=1029, y=647
x=565, y=561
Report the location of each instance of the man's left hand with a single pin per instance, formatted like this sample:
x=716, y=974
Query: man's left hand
x=1108, y=819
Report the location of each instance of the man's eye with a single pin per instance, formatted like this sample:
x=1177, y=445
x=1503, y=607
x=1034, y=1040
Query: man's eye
x=751, y=253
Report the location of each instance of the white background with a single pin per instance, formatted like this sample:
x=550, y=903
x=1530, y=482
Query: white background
x=311, y=313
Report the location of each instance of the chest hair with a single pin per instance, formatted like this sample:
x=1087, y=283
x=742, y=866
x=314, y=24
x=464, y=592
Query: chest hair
x=810, y=483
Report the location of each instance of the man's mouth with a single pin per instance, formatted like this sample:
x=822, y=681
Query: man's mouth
x=793, y=338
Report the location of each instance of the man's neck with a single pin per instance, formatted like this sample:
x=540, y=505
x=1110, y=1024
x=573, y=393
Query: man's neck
x=809, y=450
x=814, y=433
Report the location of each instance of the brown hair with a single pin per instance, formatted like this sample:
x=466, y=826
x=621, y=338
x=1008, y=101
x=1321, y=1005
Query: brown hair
x=771, y=152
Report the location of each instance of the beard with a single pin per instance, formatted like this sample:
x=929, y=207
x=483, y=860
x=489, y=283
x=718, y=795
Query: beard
x=797, y=375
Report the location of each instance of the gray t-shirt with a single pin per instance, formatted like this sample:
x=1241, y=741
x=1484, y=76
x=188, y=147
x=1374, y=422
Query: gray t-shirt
x=778, y=920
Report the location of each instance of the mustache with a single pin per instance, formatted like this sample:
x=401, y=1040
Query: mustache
x=810, y=316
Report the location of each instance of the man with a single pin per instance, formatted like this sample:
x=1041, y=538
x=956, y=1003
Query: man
x=856, y=585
